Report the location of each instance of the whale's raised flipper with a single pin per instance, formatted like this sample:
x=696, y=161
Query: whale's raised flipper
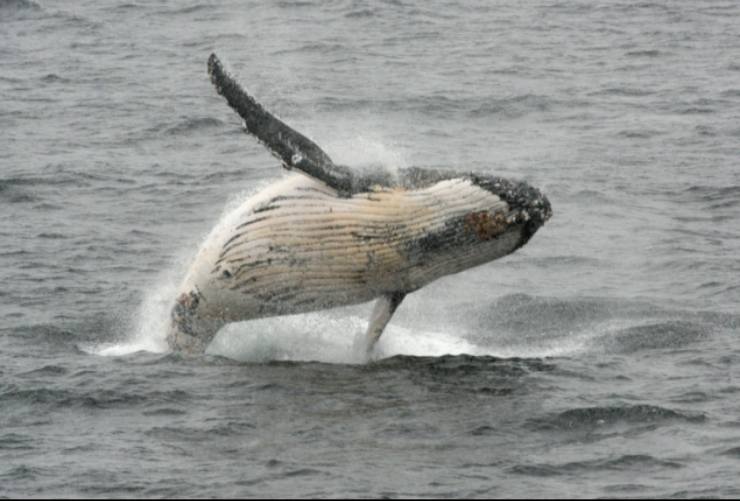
x=293, y=148
x=383, y=310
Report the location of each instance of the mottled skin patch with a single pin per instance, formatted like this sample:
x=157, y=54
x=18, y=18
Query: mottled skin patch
x=184, y=310
x=484, y=224
x=189, y=301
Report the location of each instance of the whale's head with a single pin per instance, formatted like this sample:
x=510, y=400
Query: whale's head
x=472, y=227
x=528, y=208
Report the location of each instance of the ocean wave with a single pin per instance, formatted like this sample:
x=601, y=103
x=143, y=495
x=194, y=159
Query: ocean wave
x=324, y=48
x=462, y=364
x=11, y=394
x=626, y=462
x=515, y=106
x=732, y=452
x=44, y=333
x=164, y=411
x=594, y=197
x=361, y=13
x=566, y=262
x=127, y=6
x=623, y=91
x=658, y=335
x=52, y=236
x=192, y=125
x=292, y=4
x=11, y=193
x=645, y=53
x=190, y=9
x=585, y=418
x=10, y=9
x=54, y=78
x=69, y=397
x=47, y=370
x=634, y=7
x=204, y=434
x=522, y=313
x=706, y=130
x=713, y=193
x=639, y=133
x=692, y=397
x=22, y=472
x=709, y=203
x=64, y=336
x=59, y=178
x=15, y=441
x=696, y=110
x=443, y=105
x=185, y=126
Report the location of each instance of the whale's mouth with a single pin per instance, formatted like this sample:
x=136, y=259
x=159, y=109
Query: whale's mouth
x=529, y=208
x=527, y=202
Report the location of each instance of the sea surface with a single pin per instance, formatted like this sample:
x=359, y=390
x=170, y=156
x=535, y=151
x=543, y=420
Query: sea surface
x=600, y=360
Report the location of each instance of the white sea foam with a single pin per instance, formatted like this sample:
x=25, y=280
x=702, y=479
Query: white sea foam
x=324, y=337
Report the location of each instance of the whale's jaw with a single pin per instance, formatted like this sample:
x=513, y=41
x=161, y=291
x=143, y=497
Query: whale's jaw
x=528, y=205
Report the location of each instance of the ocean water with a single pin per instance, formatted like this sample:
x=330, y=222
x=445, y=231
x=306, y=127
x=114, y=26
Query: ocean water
x=599, y=360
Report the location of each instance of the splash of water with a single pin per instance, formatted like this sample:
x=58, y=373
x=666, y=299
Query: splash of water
x=325, y=337
x=322, y=337
x=367, y=149
x=148, y=326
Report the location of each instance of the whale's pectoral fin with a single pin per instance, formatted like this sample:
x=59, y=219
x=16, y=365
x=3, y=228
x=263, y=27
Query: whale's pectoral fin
x=383, y=310
x=293, y=148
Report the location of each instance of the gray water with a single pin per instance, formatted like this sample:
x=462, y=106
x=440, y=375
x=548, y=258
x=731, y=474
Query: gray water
x=598, y=360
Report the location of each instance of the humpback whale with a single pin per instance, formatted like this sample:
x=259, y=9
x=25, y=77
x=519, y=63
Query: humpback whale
x=328, y=235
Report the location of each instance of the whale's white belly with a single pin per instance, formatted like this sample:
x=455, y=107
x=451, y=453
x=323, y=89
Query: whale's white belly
x=298, y=247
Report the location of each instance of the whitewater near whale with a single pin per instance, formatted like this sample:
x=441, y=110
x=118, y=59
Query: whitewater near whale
x=329, y=235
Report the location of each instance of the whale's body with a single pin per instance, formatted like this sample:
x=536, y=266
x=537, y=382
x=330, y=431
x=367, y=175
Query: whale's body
x=328, y=239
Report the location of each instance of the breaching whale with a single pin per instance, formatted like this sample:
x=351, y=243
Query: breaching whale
x=331, y=236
